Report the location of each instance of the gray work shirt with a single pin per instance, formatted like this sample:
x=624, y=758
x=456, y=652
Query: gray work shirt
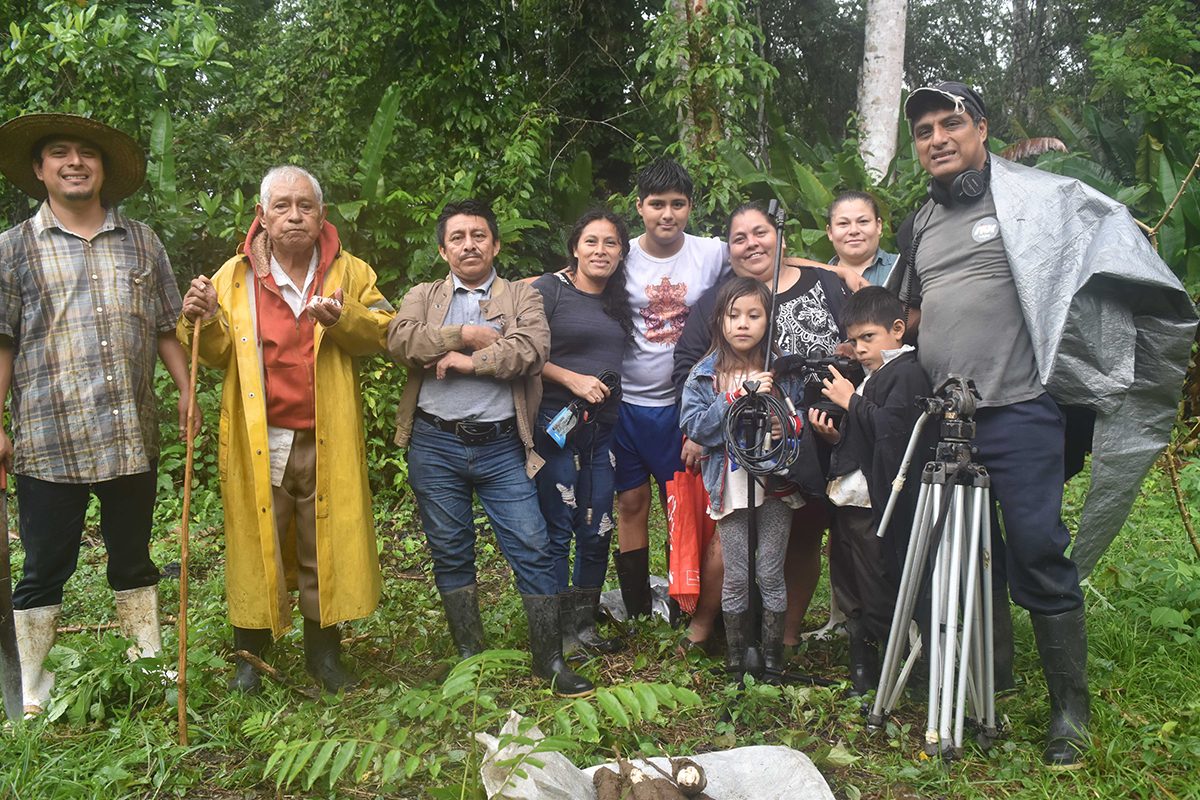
x=971, y=318
x=459, y=397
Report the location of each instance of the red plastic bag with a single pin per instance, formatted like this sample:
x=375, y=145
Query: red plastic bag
x=690, y=529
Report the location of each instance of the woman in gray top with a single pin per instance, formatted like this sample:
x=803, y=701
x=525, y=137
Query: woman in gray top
x=591, y=322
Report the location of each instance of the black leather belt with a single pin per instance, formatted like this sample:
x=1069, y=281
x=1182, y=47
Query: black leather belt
x=473, y=433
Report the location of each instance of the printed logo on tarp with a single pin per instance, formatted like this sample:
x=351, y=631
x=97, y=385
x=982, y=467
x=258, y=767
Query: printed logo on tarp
x=985, y=230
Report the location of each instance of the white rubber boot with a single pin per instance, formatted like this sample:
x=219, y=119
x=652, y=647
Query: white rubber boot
x=137, y=611
x=37, y=628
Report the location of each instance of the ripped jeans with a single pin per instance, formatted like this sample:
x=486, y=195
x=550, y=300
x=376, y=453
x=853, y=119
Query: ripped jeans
x=577, y=478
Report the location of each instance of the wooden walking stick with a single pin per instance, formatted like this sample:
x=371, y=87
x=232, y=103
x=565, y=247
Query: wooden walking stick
x=181, y=680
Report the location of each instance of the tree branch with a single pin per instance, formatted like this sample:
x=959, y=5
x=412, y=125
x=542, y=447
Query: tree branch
x=1179, y=194
x=1183, y=509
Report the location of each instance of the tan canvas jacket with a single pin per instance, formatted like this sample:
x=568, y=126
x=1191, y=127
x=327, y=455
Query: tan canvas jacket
x=417, y=337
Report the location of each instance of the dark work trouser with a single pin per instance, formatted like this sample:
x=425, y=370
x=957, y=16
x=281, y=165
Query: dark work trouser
x=52, y=519
x=861, y=570
x=1022, y=447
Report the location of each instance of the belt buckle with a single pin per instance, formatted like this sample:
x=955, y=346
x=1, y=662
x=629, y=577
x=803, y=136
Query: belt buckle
x=471, y=437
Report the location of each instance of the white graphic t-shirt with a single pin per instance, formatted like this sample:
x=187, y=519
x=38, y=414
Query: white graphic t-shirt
x=662, y=292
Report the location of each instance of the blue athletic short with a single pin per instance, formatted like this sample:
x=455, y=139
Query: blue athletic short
x=646, y=442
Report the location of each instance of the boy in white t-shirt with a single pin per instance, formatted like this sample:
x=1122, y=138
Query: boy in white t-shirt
x=668, y=270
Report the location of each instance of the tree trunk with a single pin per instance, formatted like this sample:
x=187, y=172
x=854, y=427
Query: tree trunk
x=684, y=11
x=879, y=83
x=1030, y=24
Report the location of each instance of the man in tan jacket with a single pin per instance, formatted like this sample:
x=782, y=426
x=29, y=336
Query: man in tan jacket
x=474, y=345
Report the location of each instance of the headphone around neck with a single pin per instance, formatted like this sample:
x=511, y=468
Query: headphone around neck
x=966, y=188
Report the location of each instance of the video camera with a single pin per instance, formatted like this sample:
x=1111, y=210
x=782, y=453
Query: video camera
x=847, y=367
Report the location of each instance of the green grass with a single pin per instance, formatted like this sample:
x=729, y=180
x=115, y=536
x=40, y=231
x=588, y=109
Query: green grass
x=409, y=735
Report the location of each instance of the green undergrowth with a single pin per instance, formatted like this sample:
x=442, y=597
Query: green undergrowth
x=112, y=730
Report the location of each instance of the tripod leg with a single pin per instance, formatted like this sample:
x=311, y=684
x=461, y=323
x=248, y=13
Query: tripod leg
x=970, y=620
x=900, y=620
x=953, y=579
x=989, y=653
x=921, y=546
x=894, y=698
x=935, y=634
x=975, y=687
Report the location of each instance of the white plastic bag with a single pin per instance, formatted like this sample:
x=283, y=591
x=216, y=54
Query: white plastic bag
x=558, y=779
x=744, y=773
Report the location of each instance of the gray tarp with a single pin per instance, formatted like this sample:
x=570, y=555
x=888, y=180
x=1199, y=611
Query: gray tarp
x=1111, y=325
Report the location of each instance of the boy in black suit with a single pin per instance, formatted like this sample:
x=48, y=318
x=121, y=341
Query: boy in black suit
x=869, y=445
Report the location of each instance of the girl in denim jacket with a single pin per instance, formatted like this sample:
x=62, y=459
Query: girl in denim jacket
x=738, y=351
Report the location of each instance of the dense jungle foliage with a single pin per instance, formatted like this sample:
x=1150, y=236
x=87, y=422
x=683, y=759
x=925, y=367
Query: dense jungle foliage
x=547, y=107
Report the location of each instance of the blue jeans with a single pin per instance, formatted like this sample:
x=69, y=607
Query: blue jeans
x=443, y=473
x=567, y=491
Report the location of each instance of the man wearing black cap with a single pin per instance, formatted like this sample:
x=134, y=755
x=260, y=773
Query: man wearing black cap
x=88, y=302
x=1022, y=280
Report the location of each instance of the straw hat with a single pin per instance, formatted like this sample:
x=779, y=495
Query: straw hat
x=124, y=161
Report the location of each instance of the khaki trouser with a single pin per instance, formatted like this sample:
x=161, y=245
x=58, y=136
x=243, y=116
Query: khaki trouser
x=295, y=502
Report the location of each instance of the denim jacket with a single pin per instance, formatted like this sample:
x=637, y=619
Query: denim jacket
x=702, y=419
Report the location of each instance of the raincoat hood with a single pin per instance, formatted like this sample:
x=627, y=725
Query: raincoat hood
x=257, y=247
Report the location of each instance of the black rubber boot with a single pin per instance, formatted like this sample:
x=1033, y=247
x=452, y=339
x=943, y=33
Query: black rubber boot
x=545, y=643
x=586, y=609
x=566, y=614
x=1002, y=641
x=737, y=639
x=323, y=657
x=255, y=642
x=1062, y=645
x=462, y=615
x=772, y=646
x=633, y=573
x=864, y=658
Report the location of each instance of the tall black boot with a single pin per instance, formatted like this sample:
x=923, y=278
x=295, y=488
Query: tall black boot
x=1062, y=645
x=566, y=614
x=864, y=658
x=255, y=642
x=772, y=646
x=462, y=615
x=737, y=639
x=586, y=609
x=323, y=657
x=1002, y=640
x=545, y=643
x=633, y=573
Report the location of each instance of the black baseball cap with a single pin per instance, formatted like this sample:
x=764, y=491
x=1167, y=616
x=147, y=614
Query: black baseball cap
x=947, y=94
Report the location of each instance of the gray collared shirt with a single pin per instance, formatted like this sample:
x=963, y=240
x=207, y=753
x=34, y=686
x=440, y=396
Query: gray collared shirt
x=880, y=268
x=460, y=397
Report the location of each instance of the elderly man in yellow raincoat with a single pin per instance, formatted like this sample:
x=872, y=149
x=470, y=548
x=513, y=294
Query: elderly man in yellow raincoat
x=287, y=319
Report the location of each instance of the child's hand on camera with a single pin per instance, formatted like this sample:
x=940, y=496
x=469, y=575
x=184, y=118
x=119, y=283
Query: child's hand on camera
x=824, y=426
x=838, y=389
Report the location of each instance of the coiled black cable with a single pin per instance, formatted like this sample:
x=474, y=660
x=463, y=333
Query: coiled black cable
x=747, y=429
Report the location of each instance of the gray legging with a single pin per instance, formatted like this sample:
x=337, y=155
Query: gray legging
x=774, y=525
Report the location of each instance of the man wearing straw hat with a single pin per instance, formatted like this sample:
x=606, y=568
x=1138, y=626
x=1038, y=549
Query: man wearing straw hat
x=87, y=302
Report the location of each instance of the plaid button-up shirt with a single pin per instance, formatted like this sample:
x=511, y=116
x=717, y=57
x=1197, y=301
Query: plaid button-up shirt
x=84, y=318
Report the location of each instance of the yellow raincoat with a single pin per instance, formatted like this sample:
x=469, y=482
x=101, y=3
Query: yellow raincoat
x=256, y=575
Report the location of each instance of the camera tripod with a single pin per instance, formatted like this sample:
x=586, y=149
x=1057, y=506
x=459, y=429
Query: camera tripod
x=950, y=552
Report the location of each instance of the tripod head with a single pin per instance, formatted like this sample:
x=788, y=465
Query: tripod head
x=954, y=401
